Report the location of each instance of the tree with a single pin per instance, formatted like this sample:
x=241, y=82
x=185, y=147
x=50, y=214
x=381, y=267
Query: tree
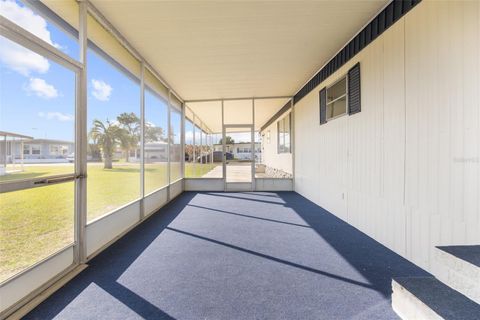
x=95, y=151
x=130, y=137
x=228, y=140
x=106, y=136
x=153, y=133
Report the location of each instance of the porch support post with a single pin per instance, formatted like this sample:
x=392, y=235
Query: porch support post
x=81, y=142
x=142, y=141
x=201, y=145
x=253, y=145
x=224, y=154
x=194, y=164
x=182, y=146
x=169, y=138
x=292, y=141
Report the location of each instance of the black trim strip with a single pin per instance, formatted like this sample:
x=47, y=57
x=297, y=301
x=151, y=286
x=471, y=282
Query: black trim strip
x=277, y=115
x=386, y=18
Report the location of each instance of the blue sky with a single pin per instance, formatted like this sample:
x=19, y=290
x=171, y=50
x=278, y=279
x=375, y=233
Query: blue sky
x=37, y=96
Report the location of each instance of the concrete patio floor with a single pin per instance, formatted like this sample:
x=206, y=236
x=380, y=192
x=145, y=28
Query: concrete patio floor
x=237, y=172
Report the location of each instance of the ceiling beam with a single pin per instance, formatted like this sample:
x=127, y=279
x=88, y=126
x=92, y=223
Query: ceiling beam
x=243, y=98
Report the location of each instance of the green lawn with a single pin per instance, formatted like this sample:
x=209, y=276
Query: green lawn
x=36, y=222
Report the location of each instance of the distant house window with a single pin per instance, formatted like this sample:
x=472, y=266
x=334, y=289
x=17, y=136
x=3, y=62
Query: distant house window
x=244, y=150
x=58, y=150
x=283, y=133
x=337, y=99
x=35, y=149
x=31, y=149
x=26, y=149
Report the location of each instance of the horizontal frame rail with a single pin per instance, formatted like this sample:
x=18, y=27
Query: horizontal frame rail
x=16, y=185
x=19, y=35
x=242, y=98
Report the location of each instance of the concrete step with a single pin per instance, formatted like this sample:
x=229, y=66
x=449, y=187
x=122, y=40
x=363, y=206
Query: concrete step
x=459, y=268
x=428, y=298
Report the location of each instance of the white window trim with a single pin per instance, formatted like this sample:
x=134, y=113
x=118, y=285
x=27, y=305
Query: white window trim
x=345, y=95
x=281, y=136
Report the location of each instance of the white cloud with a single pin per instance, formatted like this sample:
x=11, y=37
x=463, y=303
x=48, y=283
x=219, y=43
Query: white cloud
x=56, y=116
x=26, y=18
x=189, y=137
x=20, y=59
x=101, y=90
x=41, y=88
x=15, y=56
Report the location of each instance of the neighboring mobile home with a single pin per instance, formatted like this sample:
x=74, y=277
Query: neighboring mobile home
x=38, y=150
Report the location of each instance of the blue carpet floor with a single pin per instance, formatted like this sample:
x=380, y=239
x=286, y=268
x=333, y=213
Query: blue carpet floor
x=235, y=256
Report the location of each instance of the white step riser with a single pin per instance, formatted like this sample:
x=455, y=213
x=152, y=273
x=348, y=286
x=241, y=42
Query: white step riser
x=408, y=307
x=458, y=274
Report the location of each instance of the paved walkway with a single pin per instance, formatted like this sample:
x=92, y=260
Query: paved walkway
x=235, y=172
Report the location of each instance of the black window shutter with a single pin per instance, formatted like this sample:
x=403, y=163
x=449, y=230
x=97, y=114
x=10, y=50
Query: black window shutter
x=354, y=99
x=323, y=106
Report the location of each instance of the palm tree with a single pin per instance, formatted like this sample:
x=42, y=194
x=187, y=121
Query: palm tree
x=228, y=140
x=106, y=136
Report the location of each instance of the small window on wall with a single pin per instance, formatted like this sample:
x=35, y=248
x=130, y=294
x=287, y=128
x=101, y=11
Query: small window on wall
x=58, y=150
x=35, y=149
x=283, y=133
x=337, y=99
x=333, y=100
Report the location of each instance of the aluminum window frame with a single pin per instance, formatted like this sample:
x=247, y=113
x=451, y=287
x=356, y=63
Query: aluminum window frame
x=203, y=130
x=24, y=38
x=281, y=146
x=345, y=95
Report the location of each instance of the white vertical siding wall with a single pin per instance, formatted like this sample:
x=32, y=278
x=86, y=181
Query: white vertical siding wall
x=406, y=170
x=270, y=155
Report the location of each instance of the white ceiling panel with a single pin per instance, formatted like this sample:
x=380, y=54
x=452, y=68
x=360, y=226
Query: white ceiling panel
x=236, y=112
x=229, y=49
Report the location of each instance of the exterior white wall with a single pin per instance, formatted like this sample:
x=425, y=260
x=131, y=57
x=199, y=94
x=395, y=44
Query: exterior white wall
x=234, y=149
x=206, y=184
x=270, y=155
x=406, y=169
x=273, y=184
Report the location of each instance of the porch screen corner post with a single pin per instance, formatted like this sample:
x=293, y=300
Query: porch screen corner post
x=142, y=140
x=292, y=141
x=224, y=152
x=81, y=142
x=253, y=145
x=169, y=141
x=182, y=146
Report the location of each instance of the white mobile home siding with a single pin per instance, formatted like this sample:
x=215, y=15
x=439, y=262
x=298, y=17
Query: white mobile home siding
x=270, y=155
x=406, y=169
